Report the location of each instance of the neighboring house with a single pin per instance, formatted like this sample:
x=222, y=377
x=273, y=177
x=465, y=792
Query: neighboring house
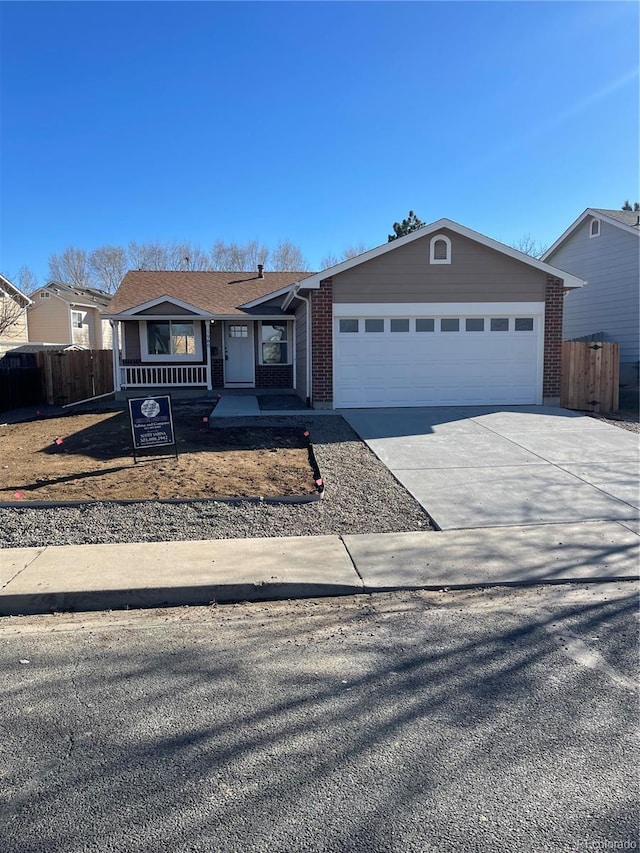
x=13, y=315
x=65, y=314
x=443, y=316
x=602, y=247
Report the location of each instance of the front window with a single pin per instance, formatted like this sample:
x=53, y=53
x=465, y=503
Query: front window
x=275, y=348
x=171, y=337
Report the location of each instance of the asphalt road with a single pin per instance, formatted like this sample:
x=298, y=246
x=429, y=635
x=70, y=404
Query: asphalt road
x=489, y=720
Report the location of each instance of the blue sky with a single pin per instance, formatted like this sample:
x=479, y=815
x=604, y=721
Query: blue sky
x=321, y=123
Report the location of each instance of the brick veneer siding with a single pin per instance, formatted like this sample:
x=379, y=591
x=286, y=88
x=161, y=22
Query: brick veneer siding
x=554, y=296
x=217, y=373
x=274, y=376
x=322, y=343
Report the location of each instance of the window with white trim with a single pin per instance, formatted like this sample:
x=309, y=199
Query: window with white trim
x=77, y=319
x=440, y=249
x=474, y=324
x=274, y=343
x=499, y=324
x=348, y=326
x=450, y=324
x=523, y=324
x=171, y=338
x=425, y=324
x=399, y=325
x=594, y=228
x=374, y=325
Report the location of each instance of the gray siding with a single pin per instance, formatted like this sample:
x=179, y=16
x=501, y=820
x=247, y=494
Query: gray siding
x=475, y=274
x=610, y=301
x=301, y=348
x=131, y=337
x=167, y=309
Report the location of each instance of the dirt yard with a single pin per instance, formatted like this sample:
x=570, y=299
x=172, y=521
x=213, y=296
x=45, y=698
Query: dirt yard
x=89, y=457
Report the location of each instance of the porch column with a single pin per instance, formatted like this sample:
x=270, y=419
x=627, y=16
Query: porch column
x=207, y=336
x=115, y=343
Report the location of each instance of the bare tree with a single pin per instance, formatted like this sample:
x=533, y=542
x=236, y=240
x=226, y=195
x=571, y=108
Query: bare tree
x=255, y=254
x=70, y=267
x=108, y=264
x=528, y=246
x=287, y=257
x=186, y=256
x=351, y=251
x=148, y=256
x=27, y=281
x=11, y=306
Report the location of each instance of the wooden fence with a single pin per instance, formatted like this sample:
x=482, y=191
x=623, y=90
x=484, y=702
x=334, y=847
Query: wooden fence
x=19, y=386
x=74, y=375
x=590, y=376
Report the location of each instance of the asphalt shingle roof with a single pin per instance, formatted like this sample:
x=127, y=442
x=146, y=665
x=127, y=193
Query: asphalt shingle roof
x=627, y=217
x=213, y=292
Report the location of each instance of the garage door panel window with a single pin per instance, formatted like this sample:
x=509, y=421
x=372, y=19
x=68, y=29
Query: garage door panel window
x=348, y=326
x=474, y=324
x=374, y=325
x=449, y=324
x=425, y=324
x=499, y=324
x=400, y=325
x=524, y=324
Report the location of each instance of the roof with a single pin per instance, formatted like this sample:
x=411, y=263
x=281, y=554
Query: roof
x=212, y=292
x=78, y=295
x=11, y=290
x=312, y=282
x=627, y=220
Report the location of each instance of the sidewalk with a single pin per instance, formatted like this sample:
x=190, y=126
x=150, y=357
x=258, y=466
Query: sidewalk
x=153, y=574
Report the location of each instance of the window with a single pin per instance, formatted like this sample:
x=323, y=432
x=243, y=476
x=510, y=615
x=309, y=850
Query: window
x=44, y=294
x=474, y=324
x=499, y=324
x=594, y=228
x=238, y=331
x=524, y=324
x=440, y=250
x=374, y=325
x=425, y=325
x=171, y=337
x=450, y=325
x=275, y=348
x=348, y=326
x=76, y=319
x=400, y=325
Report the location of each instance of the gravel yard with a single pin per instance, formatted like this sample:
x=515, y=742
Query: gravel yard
x=361, y=496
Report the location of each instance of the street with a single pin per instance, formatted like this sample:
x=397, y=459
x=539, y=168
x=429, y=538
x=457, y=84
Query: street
x=479, y=720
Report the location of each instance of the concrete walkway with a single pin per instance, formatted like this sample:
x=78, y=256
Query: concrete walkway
x=495, y=466
x=152, y=574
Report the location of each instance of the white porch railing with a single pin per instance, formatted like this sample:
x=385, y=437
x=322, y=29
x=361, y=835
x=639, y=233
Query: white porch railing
x=183, y=374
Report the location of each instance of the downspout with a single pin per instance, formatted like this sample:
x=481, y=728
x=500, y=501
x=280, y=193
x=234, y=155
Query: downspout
x=307, y=301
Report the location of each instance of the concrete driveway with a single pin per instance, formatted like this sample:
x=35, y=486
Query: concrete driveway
x=497, y=466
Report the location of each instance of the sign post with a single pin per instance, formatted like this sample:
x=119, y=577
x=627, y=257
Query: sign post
x=151, y=423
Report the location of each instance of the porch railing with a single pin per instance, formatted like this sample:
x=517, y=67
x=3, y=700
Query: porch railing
x=184, y=374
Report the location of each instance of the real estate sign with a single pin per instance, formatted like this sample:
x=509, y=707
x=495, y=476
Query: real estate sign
x=151, y=422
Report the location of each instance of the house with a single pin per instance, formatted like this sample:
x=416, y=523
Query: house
x=442, y=316
x=66, y=314
x=602, y=246
x=13, y=315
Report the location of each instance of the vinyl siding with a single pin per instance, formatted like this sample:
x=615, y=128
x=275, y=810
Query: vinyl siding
x=301, y=348
x=49, y=321
x=167, y=309
x=475, y=274
x=610, y=301
x=131, y=337
x=16, y=333
x=107, y=335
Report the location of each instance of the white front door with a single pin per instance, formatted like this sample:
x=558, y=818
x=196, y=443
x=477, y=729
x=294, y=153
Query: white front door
x=239, y=359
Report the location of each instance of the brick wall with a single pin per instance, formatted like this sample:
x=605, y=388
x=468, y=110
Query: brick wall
x=217, y=373
x=552, y=338
x=322, y=343
x=274, y=376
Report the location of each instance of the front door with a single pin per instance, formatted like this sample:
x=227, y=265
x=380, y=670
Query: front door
x=239, y=359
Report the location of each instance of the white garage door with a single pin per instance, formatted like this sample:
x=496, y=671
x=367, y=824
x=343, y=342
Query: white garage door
x=436, y=359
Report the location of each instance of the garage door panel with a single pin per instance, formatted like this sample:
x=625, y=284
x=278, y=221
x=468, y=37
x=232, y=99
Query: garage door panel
x=437, y=368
